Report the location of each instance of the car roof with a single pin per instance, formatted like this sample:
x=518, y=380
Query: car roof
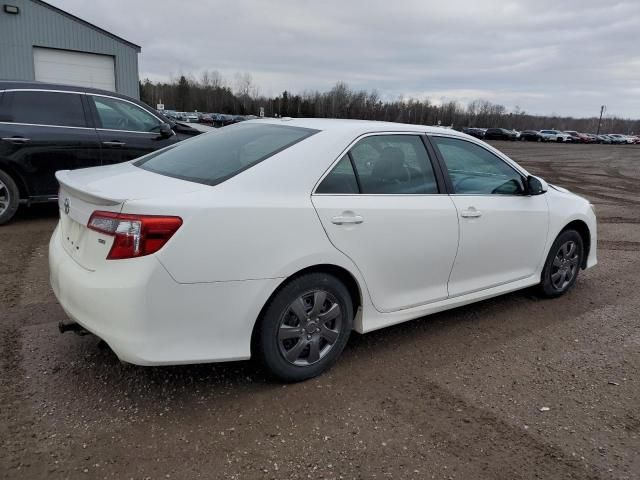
x=357, y=126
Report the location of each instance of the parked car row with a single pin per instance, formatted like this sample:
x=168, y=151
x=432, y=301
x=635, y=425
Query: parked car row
x=567, y=136
x=214, y=119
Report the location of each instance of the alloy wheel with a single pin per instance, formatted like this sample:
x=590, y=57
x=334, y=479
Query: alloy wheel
x=309, y=328
x=5, y=198
x=565, y=265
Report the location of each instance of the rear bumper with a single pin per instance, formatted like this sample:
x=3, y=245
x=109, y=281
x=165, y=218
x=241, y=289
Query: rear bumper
x=149, y=319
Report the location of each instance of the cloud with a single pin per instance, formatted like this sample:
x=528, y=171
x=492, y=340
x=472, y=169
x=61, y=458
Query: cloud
x=563, y=56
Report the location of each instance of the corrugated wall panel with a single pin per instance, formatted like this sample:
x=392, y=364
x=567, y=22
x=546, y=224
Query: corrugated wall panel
x=37, y=25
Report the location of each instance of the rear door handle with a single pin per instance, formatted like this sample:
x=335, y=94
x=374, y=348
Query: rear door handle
x=347, y=219
x=114, y=144
x=16, y=139
x=471, y=212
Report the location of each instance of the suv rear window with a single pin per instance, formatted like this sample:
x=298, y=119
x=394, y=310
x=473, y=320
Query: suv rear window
x=220, y=155
x=44, y=108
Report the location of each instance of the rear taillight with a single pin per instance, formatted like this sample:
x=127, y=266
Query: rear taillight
x=134, y=235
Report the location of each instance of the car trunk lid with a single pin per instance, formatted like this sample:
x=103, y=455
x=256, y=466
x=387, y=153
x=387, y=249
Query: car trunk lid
x=82, y=192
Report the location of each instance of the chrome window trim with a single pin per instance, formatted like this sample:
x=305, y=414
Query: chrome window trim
x=49, y=90
x=44, y=125
x=127, y=131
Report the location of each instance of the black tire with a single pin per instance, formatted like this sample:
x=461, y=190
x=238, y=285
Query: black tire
x=9, y=198
x=279, y=317
x=554, y=282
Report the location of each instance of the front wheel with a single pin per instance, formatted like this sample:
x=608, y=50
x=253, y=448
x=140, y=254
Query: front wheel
x=562, y=265
x=305, y=327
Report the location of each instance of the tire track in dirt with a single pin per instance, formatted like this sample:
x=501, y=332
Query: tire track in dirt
x=619, y=245
x=21, y=259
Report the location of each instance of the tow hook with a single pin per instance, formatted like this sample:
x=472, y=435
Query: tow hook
x=72, y=327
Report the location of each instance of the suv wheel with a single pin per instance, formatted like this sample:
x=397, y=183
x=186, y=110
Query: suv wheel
x=9, y=198
x=305, y=327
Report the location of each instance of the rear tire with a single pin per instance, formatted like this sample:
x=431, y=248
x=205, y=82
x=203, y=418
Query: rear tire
x=304, y=327
x=563, y=264
x=9, y=198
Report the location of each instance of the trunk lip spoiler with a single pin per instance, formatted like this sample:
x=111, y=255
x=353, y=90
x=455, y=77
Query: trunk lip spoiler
x=90, y=197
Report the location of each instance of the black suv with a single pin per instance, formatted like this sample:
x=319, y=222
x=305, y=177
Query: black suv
x=47, y=127
x=499, y=134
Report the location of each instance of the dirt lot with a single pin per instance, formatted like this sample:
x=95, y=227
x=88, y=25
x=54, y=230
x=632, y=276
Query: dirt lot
x=456, y=395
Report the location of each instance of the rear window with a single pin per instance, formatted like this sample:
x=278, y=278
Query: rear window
x=220, y=155
x=44, y=108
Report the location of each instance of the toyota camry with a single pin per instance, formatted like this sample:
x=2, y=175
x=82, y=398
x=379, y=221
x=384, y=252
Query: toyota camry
x=275, y=239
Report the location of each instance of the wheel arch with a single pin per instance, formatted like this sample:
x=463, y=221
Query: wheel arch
x=7, y=168
x=583, y=230
x=344, y=275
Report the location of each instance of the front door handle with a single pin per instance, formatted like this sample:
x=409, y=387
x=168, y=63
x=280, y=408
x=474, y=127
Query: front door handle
x=114, y=144
x=16, y=139
x=471, y=212
x=347, y=219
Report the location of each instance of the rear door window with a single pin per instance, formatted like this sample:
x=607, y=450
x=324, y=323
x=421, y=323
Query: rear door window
x=341, y=180
x=217, y=156
x=393, y=164
x=383, y=164
x=44, y=108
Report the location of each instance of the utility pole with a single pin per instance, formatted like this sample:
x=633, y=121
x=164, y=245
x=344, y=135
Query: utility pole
x=602, y=109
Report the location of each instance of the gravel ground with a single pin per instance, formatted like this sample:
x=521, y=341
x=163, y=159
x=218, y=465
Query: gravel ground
x=514, y=387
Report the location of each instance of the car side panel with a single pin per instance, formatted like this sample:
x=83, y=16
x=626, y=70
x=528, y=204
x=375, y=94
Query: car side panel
x=47, y=150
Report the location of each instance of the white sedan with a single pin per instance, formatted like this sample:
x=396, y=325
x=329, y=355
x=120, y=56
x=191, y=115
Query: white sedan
x=555, y=136
x=276, y=238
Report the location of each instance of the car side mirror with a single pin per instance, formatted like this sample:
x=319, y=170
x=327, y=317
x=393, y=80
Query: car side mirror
x=536, y=186
x=165, y=130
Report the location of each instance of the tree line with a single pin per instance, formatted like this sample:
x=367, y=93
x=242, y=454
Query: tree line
x=213, y=94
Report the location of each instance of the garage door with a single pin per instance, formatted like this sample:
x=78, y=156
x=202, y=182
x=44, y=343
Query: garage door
x=74, y=68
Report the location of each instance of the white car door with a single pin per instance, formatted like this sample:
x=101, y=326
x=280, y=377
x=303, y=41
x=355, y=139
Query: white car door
x=380, y=205
x=503, y=230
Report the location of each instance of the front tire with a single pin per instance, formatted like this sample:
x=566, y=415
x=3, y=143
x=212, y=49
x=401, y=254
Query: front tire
x=304, y=327
x=9, y=198
x=562, y=265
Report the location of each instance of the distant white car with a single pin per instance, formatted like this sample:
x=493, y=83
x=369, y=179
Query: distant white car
x=277, y=238
x=555, y=136
x=192, y=117
x=619, y=138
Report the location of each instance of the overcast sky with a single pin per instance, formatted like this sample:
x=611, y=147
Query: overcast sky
x=546, y=56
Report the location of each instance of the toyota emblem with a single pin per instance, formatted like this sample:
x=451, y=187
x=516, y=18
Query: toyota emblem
x=67, y=206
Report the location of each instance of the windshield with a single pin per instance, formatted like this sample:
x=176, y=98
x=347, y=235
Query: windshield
x=222, y=154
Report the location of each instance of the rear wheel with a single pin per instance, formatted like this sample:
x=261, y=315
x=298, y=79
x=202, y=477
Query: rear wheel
x=305, y=327
x=9, y=197
x=563, y=264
